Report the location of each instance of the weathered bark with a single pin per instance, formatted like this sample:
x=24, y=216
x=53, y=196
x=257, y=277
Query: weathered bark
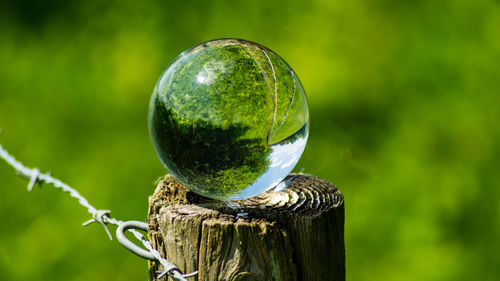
x=293, y=234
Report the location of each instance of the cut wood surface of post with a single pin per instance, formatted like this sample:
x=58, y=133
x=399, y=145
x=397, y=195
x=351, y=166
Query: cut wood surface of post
x=296, y=233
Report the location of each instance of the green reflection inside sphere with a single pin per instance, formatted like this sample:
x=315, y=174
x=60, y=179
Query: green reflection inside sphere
x=229, y=119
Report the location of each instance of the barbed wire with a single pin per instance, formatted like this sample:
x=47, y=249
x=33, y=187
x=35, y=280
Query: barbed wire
x=103, y=217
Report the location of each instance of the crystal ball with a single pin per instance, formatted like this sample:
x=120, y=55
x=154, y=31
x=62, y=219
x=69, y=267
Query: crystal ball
x=229, y=119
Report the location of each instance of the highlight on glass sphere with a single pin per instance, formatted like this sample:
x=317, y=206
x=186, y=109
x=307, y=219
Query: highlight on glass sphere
x=229, y=119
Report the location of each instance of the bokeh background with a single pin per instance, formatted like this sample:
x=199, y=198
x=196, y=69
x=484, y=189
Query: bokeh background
x=404, y=119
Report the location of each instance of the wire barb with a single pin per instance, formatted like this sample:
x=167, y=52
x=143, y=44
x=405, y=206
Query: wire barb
x=102, y=217
x=34, y=179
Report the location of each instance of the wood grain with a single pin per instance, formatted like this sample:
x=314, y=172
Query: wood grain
x=296, y=233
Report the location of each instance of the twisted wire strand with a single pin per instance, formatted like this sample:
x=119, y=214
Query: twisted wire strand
x=100, y=216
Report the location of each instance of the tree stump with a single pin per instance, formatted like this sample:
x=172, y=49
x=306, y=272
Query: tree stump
x=293, y=234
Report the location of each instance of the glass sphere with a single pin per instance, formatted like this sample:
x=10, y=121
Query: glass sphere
x=229, y=119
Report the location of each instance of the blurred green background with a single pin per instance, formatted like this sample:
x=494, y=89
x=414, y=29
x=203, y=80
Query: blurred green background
x=404, y=120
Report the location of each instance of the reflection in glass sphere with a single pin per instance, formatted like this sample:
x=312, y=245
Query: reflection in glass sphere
x=229, y=119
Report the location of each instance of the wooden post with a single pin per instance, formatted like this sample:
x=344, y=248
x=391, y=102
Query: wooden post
x=293, y=234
